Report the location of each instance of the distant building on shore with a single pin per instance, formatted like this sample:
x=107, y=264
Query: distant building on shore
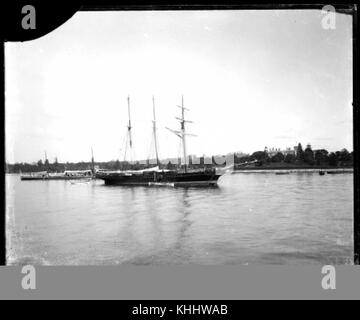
x=273, y=151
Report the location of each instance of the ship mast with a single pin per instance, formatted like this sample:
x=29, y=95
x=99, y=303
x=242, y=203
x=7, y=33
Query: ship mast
x=154, y=133
x=92, y=161
x=182, y=133
x=46, y=163
x=129, y=127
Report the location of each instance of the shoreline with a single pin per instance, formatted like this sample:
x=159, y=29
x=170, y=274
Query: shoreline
x=293, y=170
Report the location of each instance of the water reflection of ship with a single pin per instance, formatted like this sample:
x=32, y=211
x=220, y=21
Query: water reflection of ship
x=184, y=223
x=186, y=210
x=155, y=176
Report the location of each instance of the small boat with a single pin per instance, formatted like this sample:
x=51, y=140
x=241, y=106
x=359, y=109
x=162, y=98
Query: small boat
x=335, y=172
x=322, y=173
x=66, y=175
x=282, y=172
x=77, y=174
x=43, y=175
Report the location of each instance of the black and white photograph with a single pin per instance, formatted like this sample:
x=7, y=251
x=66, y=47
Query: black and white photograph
x=182, y=137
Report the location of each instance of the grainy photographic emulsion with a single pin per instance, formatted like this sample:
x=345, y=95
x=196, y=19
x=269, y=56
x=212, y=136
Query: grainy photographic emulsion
x=182, y=137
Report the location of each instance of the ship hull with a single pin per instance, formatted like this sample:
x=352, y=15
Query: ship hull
x=175, y=179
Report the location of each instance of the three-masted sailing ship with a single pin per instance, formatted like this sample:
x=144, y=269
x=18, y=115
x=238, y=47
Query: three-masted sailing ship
x=182, y=176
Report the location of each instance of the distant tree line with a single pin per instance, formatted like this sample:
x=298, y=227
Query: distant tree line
x=110, y=165
x=56, y=166
x=306, y=157
x=46, y=166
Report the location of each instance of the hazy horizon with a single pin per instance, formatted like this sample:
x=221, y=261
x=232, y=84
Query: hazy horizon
x=250, y=79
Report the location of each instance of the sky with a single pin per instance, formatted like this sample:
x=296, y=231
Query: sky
x=249, y=78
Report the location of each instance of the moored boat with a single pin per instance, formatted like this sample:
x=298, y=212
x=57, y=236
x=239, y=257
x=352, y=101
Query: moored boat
x=43, y=175
x=158, y=177
x=182, y=177
x=339, y=171
x=66, y=175
x=282, y=172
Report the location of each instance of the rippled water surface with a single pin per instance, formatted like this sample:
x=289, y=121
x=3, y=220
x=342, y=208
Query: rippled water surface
x=299, y=218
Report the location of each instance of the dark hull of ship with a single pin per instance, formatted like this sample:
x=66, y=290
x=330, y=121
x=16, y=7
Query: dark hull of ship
x=173, y=178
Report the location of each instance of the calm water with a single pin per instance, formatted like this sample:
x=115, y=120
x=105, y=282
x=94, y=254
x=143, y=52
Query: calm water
x=254, y=218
